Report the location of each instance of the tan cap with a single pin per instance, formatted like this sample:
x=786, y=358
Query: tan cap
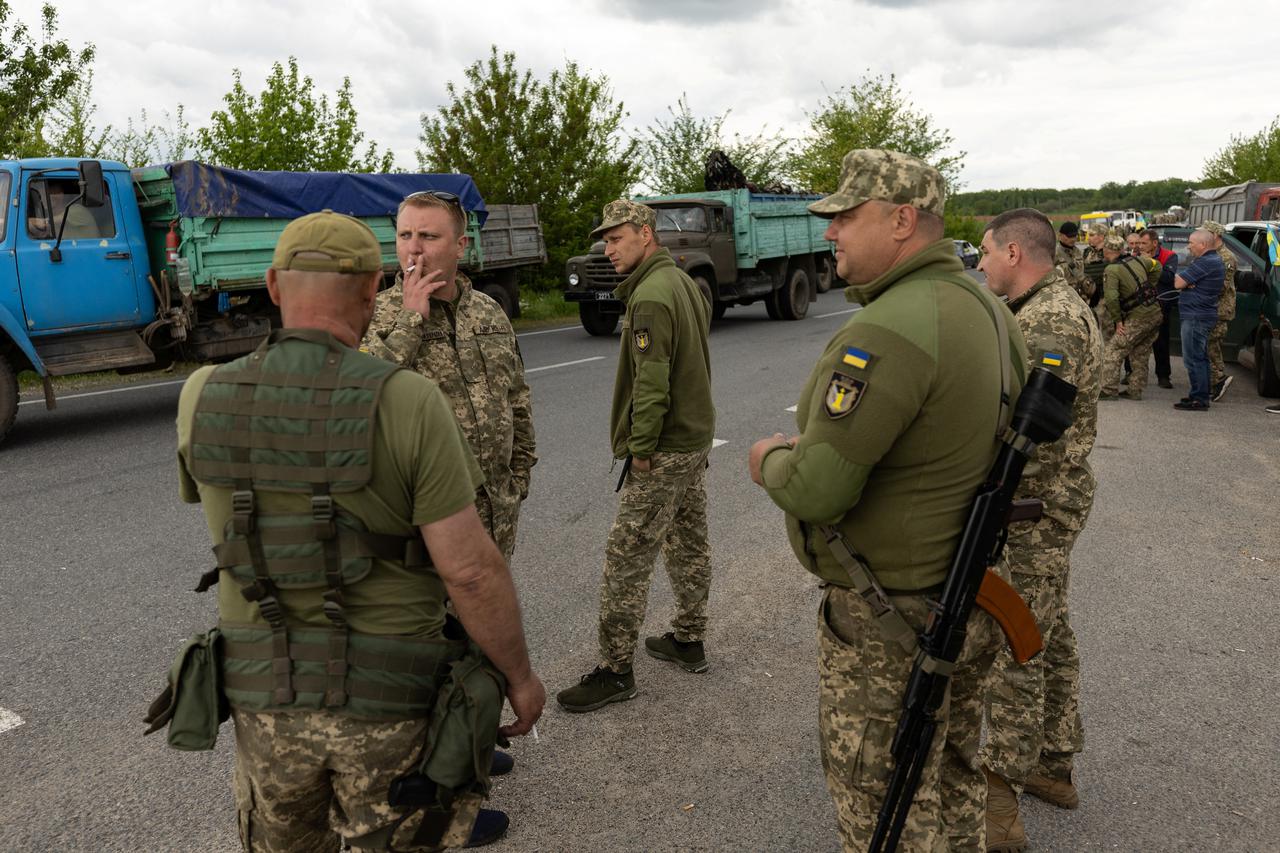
x=871, y=174
x=327, y=242
x=623, y=211
x=1115, y=243
x=1213, y=228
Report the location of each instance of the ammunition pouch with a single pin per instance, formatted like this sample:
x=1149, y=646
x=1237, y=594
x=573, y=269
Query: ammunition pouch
x=192, y=705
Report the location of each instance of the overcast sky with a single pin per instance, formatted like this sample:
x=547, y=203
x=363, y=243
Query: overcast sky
x=1036, y=93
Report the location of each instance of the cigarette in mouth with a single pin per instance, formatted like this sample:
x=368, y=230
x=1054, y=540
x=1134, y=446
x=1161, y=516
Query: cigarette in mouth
x=410, y=268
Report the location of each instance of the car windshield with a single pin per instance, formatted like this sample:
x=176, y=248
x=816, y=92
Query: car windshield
x=681, y=219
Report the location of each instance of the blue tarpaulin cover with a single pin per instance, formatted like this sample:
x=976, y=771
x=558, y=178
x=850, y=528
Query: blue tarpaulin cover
x=204, y=190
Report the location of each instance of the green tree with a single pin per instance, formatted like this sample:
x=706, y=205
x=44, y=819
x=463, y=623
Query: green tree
x=289, y=127
x=556, y=143
x=1247, y=158
x=70, y=131
x=874, y=112
x=144, y=143
x=34, y=75
x=674, y=153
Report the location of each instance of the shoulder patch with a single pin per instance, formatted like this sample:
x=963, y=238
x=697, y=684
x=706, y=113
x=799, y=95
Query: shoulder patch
x=1052, y=359
x=642, y=340
x=855, y=357
x=844, y=393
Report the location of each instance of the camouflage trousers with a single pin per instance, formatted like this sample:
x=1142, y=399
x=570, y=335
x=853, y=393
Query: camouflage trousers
x=1135, y=344
x=501, y=517
x=1033, y=709
x=862, y=681
x=1217, y=369
x=664, y=508
x=311, y=781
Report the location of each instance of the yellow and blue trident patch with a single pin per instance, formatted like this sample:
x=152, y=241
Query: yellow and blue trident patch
x=643, y=340
x=1052, y=359
x=844, y=393
x=856, y=357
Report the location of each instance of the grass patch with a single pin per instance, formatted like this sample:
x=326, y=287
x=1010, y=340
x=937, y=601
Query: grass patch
x=544, y=307
x=29, y=380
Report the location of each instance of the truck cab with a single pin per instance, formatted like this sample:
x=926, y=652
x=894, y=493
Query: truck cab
x=1261, y=350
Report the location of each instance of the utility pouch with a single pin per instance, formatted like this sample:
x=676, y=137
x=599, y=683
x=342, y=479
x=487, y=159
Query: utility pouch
x=193, y=704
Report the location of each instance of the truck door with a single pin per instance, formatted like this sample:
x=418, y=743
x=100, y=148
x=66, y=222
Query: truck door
x=93, y=284
x=721, y=247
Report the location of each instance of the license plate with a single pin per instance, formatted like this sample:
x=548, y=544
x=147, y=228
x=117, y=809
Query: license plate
x=602, y=295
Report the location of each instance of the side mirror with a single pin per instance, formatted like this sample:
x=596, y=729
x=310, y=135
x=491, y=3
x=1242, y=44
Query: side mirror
x=92, y=192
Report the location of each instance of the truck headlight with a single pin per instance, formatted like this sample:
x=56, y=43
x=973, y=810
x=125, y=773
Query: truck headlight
x=573, y=279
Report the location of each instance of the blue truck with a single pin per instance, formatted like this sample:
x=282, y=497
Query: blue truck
x=107, y=268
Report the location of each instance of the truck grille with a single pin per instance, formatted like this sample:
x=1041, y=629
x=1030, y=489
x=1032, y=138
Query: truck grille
x=599, y=273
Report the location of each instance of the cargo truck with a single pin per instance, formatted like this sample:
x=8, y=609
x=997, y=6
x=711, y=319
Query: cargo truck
x=739, y=247
x=103, y=268
x=1250, y=200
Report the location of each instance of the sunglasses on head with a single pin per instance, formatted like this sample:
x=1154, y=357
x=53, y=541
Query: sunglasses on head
x=446, y=197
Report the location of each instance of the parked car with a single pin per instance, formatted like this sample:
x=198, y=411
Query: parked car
x=967, y=254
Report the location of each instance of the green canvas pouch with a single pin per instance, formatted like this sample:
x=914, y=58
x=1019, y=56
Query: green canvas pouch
x=464, y=725
x=193, y=704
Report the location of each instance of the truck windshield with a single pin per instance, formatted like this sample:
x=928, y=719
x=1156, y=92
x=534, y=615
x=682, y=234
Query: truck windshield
x=47, y=198
x=681, y=219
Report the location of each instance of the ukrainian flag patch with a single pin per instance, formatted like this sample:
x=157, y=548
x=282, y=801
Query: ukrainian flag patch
x=1052, y=359
x=855, y=357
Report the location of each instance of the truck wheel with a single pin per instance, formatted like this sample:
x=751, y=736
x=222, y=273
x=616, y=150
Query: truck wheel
x=704, y=287
x=826, y=272
x=502, y=296
x=8, y=396
x=597, y=321
x=718, y=309
x=792, y=301
x=1265, y=367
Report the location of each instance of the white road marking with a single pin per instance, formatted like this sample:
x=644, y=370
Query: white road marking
x=793, y=408
x=548, y=331
x=9, y=720
x=565, y=364
x=837, y=313
x=108, y=391
x=716, y=442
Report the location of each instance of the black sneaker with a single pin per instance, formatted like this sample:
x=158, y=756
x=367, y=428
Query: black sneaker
x=1164, y=382
x=1221, y=388
x=1192, y=406
x=598, y=688
x=1272, y=410
x=501, y=764
x=689, y=656
x=490, y=825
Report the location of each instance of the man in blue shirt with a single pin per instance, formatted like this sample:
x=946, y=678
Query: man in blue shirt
x=1199, y=286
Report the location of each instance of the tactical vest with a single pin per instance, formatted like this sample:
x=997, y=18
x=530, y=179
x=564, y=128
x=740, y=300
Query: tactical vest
x=297, y=417
x=1094, y=266
x=1144, y=292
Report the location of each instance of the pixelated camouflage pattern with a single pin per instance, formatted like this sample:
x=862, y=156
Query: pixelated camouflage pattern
x=872, y=173
x=1226, y=313
x=861, y=682
x=1099, y=229
x=1054, y=320
x=1033, y=718
x=664, y=509
x=470, y=350
x=622, y=211
x=310, y=781
x=1135, y=344
x=1070, y=263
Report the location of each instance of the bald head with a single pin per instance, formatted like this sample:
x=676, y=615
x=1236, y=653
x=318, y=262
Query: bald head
x=1200, y=242
x=339, y=303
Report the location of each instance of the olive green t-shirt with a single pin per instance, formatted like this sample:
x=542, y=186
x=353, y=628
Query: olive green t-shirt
x=422, y=472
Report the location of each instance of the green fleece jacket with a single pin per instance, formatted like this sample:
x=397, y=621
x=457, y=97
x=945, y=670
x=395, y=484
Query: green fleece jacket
x=662, y=394
x=898, y=423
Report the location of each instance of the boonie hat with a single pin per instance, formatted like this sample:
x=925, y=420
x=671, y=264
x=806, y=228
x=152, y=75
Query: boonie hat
x=872, y=174
x=1115, y=243
x=623, y=211
x=1069, y=229
x=1213, y=228
x=327, y=242
x=1099, y=229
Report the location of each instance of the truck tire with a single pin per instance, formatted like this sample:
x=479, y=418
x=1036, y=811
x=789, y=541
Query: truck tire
x=1265, y=368
x=791, y=302
x=718, y=309
x=502, y=296
x=8, y=396
x=826, y=272
x=597, y=321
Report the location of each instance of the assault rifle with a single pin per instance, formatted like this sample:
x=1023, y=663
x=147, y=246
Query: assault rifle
x=1043, y=414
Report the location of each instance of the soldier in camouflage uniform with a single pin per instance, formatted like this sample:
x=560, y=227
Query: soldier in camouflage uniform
x=1070, y=262
x=896, y=425
x=460, y=338
x=1218, y=378
x=1095, y=264
x=1034, y=721
x=1129, y=297
x=662, y=423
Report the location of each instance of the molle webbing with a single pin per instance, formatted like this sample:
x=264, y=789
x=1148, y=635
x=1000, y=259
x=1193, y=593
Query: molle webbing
x=1144, y=293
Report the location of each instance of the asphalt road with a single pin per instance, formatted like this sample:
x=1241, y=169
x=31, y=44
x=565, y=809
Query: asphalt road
x=1174, y=599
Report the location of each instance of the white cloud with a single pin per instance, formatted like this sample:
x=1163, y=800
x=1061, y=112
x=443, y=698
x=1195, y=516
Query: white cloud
x=1035, y=93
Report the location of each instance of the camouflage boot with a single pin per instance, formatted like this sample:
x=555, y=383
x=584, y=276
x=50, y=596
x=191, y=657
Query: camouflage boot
x=597, y=689
x=1059, y=792
x=1005, y=833
x=690, y=656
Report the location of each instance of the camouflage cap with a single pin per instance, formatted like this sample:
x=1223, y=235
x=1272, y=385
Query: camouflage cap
x=622, y=211
x=327, y=242
x=1214, y=228
x=1115, y=243
x=1099, y=229
x=871, y=174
